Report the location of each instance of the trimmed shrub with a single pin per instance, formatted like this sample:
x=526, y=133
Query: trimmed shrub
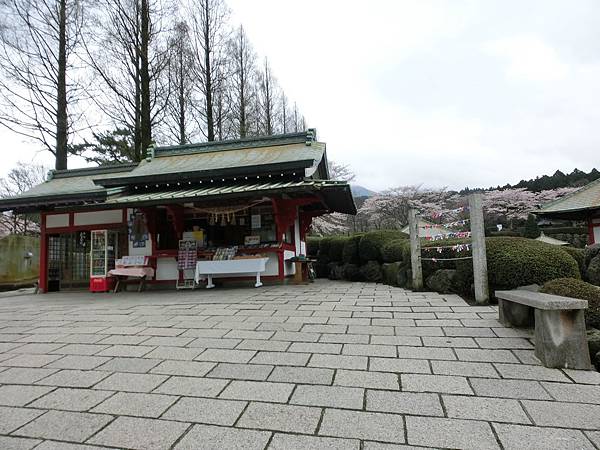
x=389, y=272
x=592, y=272
x=324, y=244
x=442, y=281
x=369, y=247
x=312, y=246
x=371, y=272
x=336, y=248
x=335, y=271
x=350, y=252
x=321, y=270
x=514, y=262
x=351, y=272
x=571, y=287
x=395, y=250
x=590, y=252
x=578, y=254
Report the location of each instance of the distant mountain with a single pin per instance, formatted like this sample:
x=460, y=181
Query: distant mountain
x=360, y=191
x=557, y=180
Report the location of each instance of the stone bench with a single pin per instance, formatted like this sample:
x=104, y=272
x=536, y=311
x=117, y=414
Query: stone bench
x=560, y=338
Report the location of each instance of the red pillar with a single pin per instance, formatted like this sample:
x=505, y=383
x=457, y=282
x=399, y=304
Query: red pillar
x=43, y=277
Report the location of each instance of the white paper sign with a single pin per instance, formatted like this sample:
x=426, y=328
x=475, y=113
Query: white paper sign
x=255, y=221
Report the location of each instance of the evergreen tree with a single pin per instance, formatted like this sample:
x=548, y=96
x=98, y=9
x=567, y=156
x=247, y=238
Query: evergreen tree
x=532, y=230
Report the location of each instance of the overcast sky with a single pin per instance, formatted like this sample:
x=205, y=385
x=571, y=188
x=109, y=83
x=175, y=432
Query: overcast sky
x=441, y=93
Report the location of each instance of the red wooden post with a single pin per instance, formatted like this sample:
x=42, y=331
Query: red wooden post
x=43, y=276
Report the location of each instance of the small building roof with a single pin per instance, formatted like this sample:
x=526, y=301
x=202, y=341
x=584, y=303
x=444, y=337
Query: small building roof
x=294, y=163
x=550, y=240
x=75, y=186
x=576, y=206
x=293, y=152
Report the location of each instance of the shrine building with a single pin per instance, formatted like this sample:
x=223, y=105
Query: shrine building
x=228, y=201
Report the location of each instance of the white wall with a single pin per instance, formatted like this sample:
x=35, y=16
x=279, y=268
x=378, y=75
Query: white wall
x=57, y=220
x=98, y=217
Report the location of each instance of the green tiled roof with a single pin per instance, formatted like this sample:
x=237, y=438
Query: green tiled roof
x=585, y=199
x=68, y=185
x=337, y=192
x=289, y=152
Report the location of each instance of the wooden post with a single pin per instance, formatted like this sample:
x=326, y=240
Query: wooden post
x=482, y=294
x=415, y=250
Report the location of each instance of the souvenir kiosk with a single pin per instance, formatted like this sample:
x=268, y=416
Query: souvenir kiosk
x=233, y=210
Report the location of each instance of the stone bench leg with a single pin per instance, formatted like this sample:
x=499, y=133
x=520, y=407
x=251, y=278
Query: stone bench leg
x=560, y=339
x=513, y=314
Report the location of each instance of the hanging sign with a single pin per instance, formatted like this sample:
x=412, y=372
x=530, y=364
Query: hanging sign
x=255, y=221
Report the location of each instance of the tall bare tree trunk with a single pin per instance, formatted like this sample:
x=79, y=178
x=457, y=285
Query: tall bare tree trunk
x=62, y=124
x=210, y=125
x=145, y=106
x=181, y=97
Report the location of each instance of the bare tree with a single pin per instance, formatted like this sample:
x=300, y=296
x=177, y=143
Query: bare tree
x=19, y=180
x=126, y=48
x=243, y=77
x=267, y=99
x=179, y=122
x=208, y=20
x=39, y=85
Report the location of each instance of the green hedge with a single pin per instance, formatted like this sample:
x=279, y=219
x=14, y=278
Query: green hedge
x=514, y=262
x=324, y=244
x=350, y=253
x=371, y=272
x=336, y=248
x=312, y=246
x=369, y=247
x=578, y=254
x=396, y=250
x=571, y=287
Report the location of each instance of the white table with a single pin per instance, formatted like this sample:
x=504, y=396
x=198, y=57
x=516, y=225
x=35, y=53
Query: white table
x=230, y=268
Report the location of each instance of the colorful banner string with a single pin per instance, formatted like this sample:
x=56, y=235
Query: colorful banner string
x=457, y=235
x=456, y=223
x=457, y=248
x=445, y=259
x=438, y=214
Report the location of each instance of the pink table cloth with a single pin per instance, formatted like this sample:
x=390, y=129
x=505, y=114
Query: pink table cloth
x=138, y=272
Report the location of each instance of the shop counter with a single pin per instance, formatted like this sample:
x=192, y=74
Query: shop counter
x=230, y=268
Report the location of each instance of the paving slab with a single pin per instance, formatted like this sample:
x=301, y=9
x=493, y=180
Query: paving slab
x=207, y=437
x=64, y=425
x=192, y=386
x=206, y=410
x=330, y=396
x=258, y=390
x=450, y=433
x=136, y=404
x=424, y=404
x=289, y=418
x=17, y=395
x=519, y=437
x=70, y=399
x=12, y=418
x=291, y=441
x=139, y=433
x=362, y=425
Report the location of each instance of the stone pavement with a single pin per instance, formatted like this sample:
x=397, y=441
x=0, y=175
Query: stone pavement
x=333, y=365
